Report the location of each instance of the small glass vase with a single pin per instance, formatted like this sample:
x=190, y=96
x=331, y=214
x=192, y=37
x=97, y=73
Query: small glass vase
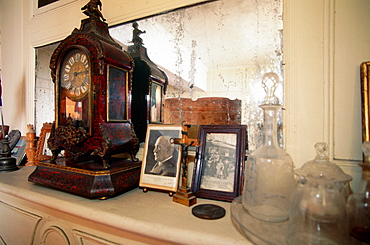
x=269, y=183
x=358, y=204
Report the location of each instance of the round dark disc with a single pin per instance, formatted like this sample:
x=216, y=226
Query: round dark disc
x=208, y=211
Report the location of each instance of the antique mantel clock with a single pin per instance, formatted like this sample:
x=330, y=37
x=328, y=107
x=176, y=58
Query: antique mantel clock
x=149, y=84
x=92, y=76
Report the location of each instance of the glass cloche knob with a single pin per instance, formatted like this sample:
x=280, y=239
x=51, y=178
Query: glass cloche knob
x=321, y=151
x=321, y=166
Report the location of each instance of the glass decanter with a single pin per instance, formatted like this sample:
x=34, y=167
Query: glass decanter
x=269, y=177
x=358, y=204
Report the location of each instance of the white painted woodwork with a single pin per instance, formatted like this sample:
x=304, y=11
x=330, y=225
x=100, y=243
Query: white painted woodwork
x=34, y=214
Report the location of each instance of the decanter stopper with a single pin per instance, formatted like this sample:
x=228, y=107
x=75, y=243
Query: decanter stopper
x=270, y=81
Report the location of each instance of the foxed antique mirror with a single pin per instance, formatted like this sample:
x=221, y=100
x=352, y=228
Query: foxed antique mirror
x=212, y=52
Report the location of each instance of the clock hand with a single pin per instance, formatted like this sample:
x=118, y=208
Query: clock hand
x=78, y=73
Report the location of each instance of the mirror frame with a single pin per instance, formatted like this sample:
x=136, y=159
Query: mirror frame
x=365, y=100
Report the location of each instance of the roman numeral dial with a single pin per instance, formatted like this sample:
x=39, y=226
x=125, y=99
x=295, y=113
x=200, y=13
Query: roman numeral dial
x=75, y=75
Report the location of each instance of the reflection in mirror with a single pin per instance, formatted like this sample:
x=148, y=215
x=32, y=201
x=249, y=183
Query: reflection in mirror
x=217, y=49
x=214, y=55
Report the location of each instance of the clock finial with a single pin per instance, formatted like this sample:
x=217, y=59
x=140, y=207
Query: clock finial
x=136, y=39
x=92, y=9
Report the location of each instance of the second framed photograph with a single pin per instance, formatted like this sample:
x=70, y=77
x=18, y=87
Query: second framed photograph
x=43, y=152
x=218, y=170
x=161, y=160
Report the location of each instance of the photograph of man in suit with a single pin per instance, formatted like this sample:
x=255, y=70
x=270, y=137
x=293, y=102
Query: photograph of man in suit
x=163, y=155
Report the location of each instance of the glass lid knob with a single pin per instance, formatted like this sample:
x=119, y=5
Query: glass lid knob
x=321, y=151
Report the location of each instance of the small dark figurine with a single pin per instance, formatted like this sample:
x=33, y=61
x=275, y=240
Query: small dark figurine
x=92, y=9
x=7, y=162
x=184, y=161
x=136, y=39
x=5, y=148
x=8, y=143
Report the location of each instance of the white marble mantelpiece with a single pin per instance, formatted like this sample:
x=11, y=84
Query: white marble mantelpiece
x=33, y=214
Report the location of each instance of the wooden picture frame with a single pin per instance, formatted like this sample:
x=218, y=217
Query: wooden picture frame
x=162, y=158
x=218, y=169
x=365, y=99
x=365, y=102
x=42, y=150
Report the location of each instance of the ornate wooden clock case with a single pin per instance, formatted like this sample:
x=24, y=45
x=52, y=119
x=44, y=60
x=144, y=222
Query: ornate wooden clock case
x=92, y=76
x=149, y=86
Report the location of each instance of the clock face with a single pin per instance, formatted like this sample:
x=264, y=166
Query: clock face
x=75, y=75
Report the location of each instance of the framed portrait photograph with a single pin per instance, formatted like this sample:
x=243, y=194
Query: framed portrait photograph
x=156, y=102
x=162, y=158
x=218, y=168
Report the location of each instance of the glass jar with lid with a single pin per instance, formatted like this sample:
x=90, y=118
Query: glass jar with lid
x=322, y=167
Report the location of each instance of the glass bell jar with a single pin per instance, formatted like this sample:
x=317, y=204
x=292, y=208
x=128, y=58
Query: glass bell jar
x=269, y=177
x=318, y=214
x=322, y=167
x=358, y=204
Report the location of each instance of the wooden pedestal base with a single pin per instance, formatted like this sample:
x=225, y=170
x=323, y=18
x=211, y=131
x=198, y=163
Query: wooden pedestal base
x=185, y=197
x=87, y=178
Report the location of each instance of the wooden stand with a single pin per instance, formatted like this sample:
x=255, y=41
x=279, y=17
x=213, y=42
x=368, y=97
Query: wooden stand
x=88, y=178
x=31, y=145
x=184, y=194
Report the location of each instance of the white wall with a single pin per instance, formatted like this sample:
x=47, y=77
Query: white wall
x=322, y=52
x=13, y=63
x=324, y=45
x=352, y=47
